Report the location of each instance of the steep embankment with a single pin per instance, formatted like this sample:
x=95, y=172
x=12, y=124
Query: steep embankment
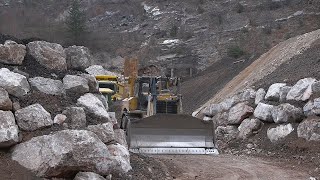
x=292, y=49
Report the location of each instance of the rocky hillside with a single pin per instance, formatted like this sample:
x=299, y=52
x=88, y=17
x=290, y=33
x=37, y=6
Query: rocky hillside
x=187, y=36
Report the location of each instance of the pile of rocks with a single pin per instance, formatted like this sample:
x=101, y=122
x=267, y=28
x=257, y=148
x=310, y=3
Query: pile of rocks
x=243, y=115
x=77, y=146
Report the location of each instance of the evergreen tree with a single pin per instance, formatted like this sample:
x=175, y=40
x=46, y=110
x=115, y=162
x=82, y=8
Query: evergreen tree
x=76, y=22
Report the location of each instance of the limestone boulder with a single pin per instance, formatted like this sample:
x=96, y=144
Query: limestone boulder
x=261, y=93
x=312, y=107
x=78, y=57
x=15, y=84
x=226, y=133
x=273, y=93
x=302, y=90
x=76, y=117
x=94, y=106
x=59, y=119
x=33, y=117
x=247, y=95
x=88, y=176
x=248, y=127
x=9, y=131
x=99, y=70
x=120, y=137
x=103, y=131
x=12, y=53
x=283, y=93
x=92, y=83
x=309, y=129
x=47, y=85
x=239, y=112
x=75, y=85
x=264, y=112
x=5, y=101
x=286, y=113
x=67, y=151
x=212, y=110
x=50, y=55
x=121, y=156
x=280, y=132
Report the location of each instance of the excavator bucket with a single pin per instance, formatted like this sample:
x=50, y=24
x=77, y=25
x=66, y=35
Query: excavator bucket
x=171, y=134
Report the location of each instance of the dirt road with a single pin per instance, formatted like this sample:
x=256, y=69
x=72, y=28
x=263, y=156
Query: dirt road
x=229, y=167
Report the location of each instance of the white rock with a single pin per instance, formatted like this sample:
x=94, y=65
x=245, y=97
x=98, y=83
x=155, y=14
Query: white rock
x=260, y=96
x=12, y=53
x=75, y=85
x=279, y=132
x=33, y=117
x=50, y=55
x=302, y=90
x=5, y=102
x=99, y=70
x=103, y=131
x=15, y=84
x=286, y=113
x=248, y=127
x=273, y=93
x=76, y=117
x=238, y=113
x=283, y=93
x=309, y=129
x=122, y=157
x=212, y=110
x=88, y=176
x=78, y=57
x=120, y=137
x=47, y=85
x=66, y=152
x=59, y=119
x=9, y=131
x=263, y=112
x=312, y=107
x=94, y=106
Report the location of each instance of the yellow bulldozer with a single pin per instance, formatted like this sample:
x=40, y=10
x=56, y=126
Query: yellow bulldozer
x=152, y=119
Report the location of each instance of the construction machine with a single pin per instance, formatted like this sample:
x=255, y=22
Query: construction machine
x=110, y=87
x=152, y=119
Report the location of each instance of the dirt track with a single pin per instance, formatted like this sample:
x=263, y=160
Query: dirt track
x=184, y=167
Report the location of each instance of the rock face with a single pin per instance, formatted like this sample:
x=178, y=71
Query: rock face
x=78, y=57
x=33, y=117
x=302, y=90
x=286, y=113
x=88, y=176
x=76, y=117
x=75, y=85
x=15, y=84
x=12, y=53
x=248, y=127
x=66, y=152
x=5, y=102
x=50, y=55
x=279, y=132
x=263, y=112
x=239, y=112
x=9, y=132
x=103, y=131
x=94, y=106
x=47, y=86
x=273, y=93
x=309, y=129
x=261, y=93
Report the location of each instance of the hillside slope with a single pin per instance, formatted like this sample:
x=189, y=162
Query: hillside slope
x=277, y=60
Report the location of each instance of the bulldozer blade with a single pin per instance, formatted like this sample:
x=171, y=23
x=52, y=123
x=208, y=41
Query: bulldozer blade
x=171, y=134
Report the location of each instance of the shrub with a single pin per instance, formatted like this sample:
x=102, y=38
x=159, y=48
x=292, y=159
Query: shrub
x=235, y=52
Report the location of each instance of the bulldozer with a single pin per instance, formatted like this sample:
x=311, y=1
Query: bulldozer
x=153, y=119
